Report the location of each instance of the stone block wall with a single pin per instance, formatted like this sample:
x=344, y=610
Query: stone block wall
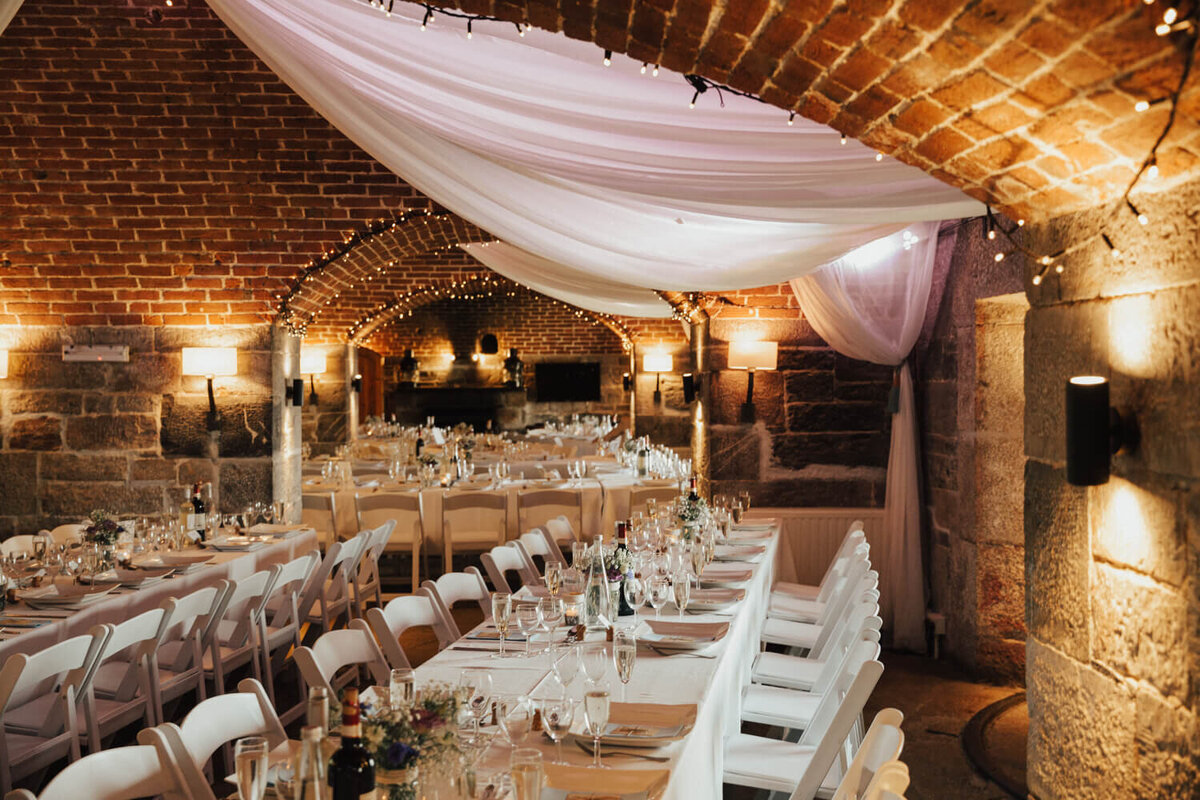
x=129, y=437
x=1112, y=596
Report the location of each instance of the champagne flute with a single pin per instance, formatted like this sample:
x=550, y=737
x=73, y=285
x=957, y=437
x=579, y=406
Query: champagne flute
x=525, y=766
x=557, y=715
x=553, y=578
x=595, y=661
x=250, y=767
x=699, y=558
x=624, y=656
x=501, y=611
x=595, y=718
x=660, y=589
x=681, y=584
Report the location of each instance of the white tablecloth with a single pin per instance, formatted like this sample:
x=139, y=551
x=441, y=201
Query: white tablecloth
x=715, y=685
x=126, y=603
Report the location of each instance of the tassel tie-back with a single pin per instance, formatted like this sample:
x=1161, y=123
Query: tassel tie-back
x=893, y=401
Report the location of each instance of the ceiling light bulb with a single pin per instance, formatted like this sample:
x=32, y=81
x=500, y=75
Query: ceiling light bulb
x=1143, y=219
x=1020, y=223
x=1046, y=260
x=992, y=235
x=1141, y=105
x=1152, y=171
x=843, y=138
x=1163, y=29
x=1169, y=16
x=1037, y=280
x=1058, y=268
x=654, y=72
x=999, y=257
x=643, y=69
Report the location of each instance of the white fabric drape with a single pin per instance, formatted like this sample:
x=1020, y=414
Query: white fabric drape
x=606, y=171
x=568, y=285
x=870, y=305
x=8, y=10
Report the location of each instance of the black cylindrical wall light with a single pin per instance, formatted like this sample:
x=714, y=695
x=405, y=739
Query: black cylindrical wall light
x=1095, y=431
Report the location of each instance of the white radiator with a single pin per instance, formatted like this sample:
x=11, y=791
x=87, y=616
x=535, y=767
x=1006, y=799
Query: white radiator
x=810, y=538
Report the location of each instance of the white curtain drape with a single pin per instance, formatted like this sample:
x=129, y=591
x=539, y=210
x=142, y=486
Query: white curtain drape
x=566, y=284
x=8, y=10
x=605, y=171
x=870, y=305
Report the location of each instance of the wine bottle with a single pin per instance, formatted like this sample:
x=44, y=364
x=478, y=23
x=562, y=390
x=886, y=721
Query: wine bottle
x=420, y=444
x=693, y=495
x=351, y=769
x=199, y=521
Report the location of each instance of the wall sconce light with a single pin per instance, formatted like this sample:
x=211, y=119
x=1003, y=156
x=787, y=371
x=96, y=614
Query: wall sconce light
x=312, y=364
x=658, y=363
x=3, y=364
x=210, y=362
x=1095, y=431
x=626, y=381
x=293, y=391
x=691, y=385
x=356, y=382
x=752, y=356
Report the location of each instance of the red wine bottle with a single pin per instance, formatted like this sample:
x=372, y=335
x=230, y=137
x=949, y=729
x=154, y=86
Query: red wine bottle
x=351, y=769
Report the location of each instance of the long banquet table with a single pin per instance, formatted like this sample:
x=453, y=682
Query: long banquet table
x=697, y=761
x=125, y=603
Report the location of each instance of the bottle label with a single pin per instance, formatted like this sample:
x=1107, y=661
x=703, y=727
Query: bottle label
x=193, y=522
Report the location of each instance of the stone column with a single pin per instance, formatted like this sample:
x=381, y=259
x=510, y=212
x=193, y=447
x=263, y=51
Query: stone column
x=285, y=422
x=701, y=408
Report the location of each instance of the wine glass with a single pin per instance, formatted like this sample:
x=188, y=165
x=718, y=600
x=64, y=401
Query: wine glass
x=635, y=594
x=660, y=589
x=595, y=717
x=557, y=715
x=553, y=578
x=595, y=661
x=744, y=498
x=624, y=656
x=699, y=555
x=250, y=767
x=681, y=585
x=552, y=612
x=401, y=687
x=501, y=611
x=566, y=663
x=529, y=619
x=478, y=685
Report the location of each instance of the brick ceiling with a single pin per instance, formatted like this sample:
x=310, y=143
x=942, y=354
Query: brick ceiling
x=1026, y=105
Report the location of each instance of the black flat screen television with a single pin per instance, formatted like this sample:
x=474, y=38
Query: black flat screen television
x=566, y=381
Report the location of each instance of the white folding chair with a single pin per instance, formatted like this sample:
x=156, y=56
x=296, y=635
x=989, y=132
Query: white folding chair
x=639, y=496
x=890, y=782
x=794, y=708
x=318, y=510
x=367, y=579
x=539, y=542
x=809, y=635
x=853, y=538
x=812, y=672
x=503, y=559
x=328, y=594
x=67, y=534
x=22, y=543
x=535, y=507
x=119, y=691
x=38, y=705
x=561, y=533
x=211, y=726
x=335, y=658
x=813, y=766
x=784, y=604
x=403, y=509
x=235, y=641
x=455, y=587
x=881, y=745
x=124, y=773
x=472, y=522
x=178, y=668
x=400, y=614
x=279, y=624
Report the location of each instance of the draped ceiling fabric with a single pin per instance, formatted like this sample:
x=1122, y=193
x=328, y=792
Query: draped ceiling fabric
x=869, y=305
x=604, y=171
x=8, y=10
x=566, y=284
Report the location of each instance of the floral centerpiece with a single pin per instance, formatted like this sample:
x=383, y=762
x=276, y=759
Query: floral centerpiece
x=428, y=460
x=404, y=738
x=618, y=563
x=692, y=514
x=103, y=529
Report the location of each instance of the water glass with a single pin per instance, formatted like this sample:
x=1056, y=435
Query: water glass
x=551, y=610
x=525, y=766
x=557, y=715
x=595, y=661
x=660, y=589
x=529, y=619
x=566, y=662
x=250, y=767
x=401, y=687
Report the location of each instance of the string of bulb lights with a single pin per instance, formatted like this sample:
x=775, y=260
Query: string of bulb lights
x=470, y=288
x=1174, y=22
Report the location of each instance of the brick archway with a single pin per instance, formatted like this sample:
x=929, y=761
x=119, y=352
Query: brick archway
x=1029, y=106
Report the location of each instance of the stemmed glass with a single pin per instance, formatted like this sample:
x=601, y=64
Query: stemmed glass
x=624, y=656
x=478, y=684
x=660, y=589
x=552, y=612
x=401, y=687
x=635, y=594
x=595, y=717
x=501, y=611
x=744, y=498
x=250, y=767
x=699, y=555
x=566, y=663
x=553, y=578
x=557, y=715
x=595, y=661
x=681, y=584
x=529, y=619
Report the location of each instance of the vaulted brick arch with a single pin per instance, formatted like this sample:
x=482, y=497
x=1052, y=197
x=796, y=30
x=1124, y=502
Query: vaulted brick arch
x=1027, y=105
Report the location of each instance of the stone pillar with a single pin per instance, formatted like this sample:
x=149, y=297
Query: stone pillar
x=285, y=422
x=352, y=398
x=701, y=408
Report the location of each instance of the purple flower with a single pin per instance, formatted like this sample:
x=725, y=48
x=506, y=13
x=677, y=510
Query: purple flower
x=400, y=755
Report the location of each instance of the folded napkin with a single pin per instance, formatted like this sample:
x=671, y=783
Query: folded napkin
x=714, y=631
x=274, y=529
x=717, y=595
x=566, y=782
x=651, y=715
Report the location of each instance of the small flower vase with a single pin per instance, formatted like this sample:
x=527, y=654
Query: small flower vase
x=107, y=560
x=624, y=609
x=396, y=784
x=691, y=530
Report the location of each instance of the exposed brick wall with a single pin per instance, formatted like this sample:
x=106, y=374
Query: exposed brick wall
x=1027, y=104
